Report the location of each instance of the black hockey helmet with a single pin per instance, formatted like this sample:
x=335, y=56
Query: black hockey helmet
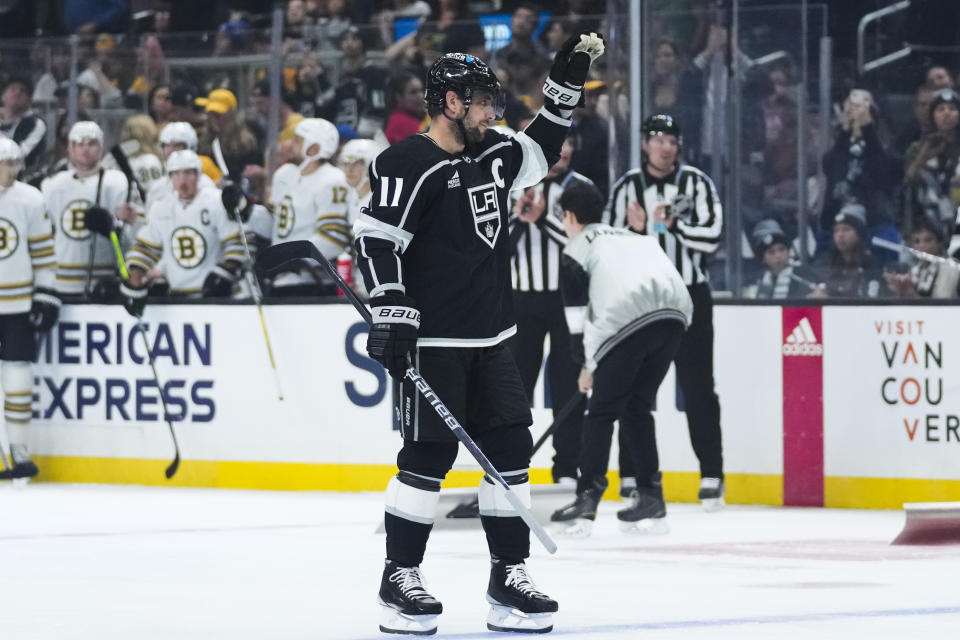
x=661, y=124
x=464, y=74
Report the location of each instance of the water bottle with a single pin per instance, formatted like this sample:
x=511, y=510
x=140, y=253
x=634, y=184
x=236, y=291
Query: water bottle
x=345, y=269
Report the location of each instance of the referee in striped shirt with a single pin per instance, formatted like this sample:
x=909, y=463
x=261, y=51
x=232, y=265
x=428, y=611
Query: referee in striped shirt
x=679, y=204
x=538, y=240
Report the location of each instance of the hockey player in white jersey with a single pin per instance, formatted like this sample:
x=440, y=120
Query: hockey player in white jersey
x=309, y=202
x=354, y=159
x=200, y=246
x=82, y=257
x=28, y=302
x=175, y=136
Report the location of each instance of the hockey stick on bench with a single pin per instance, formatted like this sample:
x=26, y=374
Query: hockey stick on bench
x=122, y=266
x=276, y=257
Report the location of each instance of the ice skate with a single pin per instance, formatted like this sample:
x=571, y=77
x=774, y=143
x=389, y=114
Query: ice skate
x=515, y=603
x=576, y=519
x=406, y=606
x=23, y=467
x=647, y=515
x=711, y=494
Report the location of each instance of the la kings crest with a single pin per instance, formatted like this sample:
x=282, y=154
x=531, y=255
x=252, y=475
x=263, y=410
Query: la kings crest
x=486, y=212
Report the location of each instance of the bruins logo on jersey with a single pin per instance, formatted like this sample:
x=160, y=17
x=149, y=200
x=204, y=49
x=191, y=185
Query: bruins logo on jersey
x=286, y=217
x=188, y=247
x=9, y=238
x=73, y=220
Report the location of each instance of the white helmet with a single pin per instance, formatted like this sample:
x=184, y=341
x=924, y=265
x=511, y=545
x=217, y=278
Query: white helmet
x=181, y=132
x=317, y=131
x=10, y=150
x=183, y=160
x=85, y=130
x=359, y=149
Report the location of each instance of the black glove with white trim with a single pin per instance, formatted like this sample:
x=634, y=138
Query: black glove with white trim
x=393, y=332
x=133, y=297
x=219, y=283
x=45, y=309
x=563, y=88
x=236, y=203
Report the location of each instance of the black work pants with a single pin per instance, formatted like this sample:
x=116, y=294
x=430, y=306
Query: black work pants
x=538, y=314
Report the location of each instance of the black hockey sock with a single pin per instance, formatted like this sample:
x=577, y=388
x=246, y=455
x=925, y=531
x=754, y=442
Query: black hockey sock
x=507, y=538
x=406, y=540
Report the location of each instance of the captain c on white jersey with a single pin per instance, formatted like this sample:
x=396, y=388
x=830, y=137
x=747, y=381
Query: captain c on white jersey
x=199, y=244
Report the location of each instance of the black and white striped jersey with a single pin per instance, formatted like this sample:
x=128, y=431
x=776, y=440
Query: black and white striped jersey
x=695, y=203
x=535, y=264
x=437, y=228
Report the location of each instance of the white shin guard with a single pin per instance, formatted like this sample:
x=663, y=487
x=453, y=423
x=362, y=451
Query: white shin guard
x=492, y=497
x=17, y=382
x=413, y=503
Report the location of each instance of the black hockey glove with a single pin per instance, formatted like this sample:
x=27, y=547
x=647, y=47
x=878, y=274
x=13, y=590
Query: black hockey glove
x=393, y=332
x=101, y=221
x=563, y=88
x=218, y=283
x=133, y=297
x=236, y=203
x=106, y=290
x=45, y=309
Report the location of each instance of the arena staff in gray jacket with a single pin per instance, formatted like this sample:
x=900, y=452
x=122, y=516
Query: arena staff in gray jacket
x=627, y=309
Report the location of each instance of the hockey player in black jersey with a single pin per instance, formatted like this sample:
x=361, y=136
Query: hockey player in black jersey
x=434, y=251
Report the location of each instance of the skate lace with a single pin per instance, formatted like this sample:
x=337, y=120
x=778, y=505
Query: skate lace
x=410, y=581
x=518, y=578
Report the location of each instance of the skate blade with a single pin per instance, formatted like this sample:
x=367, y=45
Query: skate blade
x=510, y=620
x=392, y=621
x=646, y=527
x=578, y=528
x=711, y=505
x=21, y=483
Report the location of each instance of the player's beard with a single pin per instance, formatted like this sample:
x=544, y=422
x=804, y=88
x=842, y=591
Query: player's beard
x=474, y=134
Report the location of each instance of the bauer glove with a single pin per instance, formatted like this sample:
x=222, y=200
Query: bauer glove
x=393, y=332
x=218, y=283
x=236, y=203
x=45, y=309
x=100, y=221
x=563, y=88
x=133, y=297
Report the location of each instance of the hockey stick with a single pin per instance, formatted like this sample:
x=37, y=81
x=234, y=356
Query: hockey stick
x=257, y=299
x=122, y=265
x=275, y=257
x=123, y=163
x=922, y=255
x=471, y=508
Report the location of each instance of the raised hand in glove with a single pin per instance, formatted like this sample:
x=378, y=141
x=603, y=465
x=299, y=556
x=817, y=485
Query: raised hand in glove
x=45, y=309
x=235, y=202
x=563, y=88
x=133, y=297
x=218, y=283
x=100, y=221
x=393, y=332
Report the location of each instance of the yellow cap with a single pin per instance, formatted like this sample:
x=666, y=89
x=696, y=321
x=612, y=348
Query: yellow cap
x=225, y=96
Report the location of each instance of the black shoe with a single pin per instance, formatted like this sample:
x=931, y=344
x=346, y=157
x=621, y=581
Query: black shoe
x=585, y=505
x=647, y=503
x=468, y=509
x=407, y=606
x=711, y=494
x=23, y=466
x=515, y=602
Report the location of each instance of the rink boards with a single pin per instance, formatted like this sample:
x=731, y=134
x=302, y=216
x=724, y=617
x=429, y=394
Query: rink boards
x=838, y=406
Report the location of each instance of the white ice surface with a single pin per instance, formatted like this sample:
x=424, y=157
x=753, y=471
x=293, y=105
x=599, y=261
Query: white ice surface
x=82, y=561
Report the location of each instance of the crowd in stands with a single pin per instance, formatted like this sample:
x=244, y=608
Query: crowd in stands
x=360, y=64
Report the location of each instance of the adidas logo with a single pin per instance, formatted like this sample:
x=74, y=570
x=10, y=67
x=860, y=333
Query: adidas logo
x=454, y=181
x=802, y=341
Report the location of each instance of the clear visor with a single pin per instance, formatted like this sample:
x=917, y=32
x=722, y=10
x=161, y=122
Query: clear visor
x=490, y=99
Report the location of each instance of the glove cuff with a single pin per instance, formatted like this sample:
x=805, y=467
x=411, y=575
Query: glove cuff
x=565, y=97
x=394, y=309
x=131, y=291
x=46, y=296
